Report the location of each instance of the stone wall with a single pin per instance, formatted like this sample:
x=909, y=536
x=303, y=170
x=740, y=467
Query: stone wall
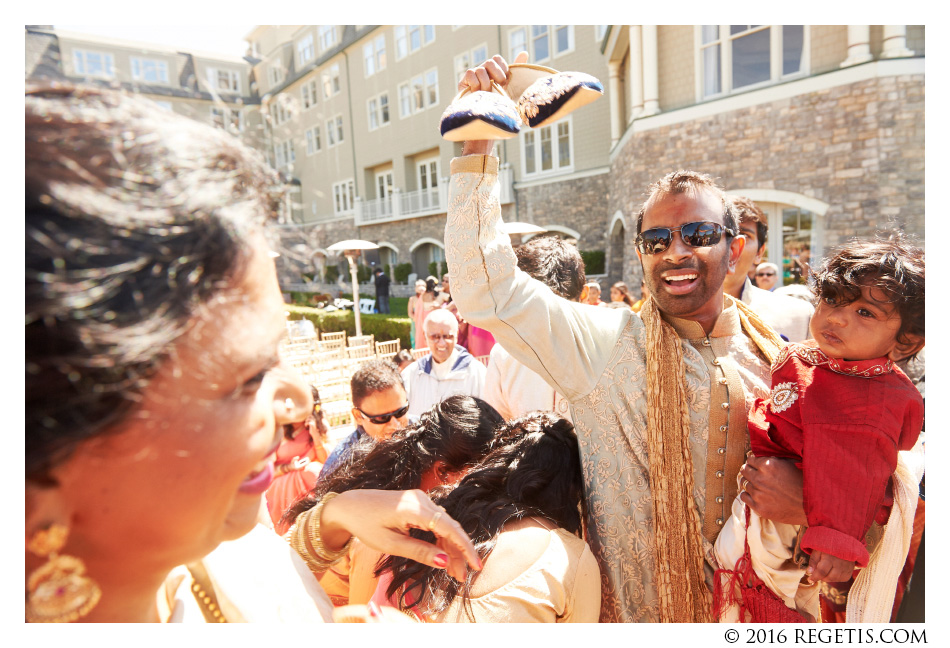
x=580, y=204
x=857, y=147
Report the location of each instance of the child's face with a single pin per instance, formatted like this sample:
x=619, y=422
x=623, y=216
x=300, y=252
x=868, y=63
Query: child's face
x=862, y=330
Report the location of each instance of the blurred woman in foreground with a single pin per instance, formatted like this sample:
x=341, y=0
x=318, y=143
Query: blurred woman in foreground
x=155, y=395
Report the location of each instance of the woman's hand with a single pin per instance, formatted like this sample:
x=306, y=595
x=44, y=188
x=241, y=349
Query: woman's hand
x=382, y=520
x=480, y=78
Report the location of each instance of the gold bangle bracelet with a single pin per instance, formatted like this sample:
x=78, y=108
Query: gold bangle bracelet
x=307, y=527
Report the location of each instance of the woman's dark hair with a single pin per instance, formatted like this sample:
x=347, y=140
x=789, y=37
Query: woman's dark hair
x=134, y=217
x=431, y=283
x=533, y=470
x=457, y=431
x=893, y=266
x=624, y=292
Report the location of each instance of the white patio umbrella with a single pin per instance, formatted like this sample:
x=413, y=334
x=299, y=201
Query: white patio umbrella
x=351, y=249
x=518, y=227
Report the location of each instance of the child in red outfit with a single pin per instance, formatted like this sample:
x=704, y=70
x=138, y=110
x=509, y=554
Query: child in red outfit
x=842, y=410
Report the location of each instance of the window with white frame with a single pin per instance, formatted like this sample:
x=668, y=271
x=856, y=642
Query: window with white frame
x=308, y=94
x=470, y=59
x=313, y=140
x=384, y=184
x=343, y=197
x=548, y=150
x=563, y=39
x=331, y=80
x=93, y=64
x=335, y=130
x=226, y=80
x=410, y=38
x=428, y=182
x=541, y=41
x=432, y=87
x=374, y=56
x=284, y=153
x=378, y=109
x=517, y=42
x=305, y=50
x=230, y=119
x=279, y=111
x=600, y=31
x=737, y=57
x=405, y=100
x=328, y=36
x=149, y=70
x=418, y=94
x=275, y=74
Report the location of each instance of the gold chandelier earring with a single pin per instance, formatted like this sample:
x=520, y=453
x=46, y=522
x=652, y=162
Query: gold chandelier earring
x=59, y=591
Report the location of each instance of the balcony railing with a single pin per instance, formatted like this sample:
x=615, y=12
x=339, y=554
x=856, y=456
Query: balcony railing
x=411, y=204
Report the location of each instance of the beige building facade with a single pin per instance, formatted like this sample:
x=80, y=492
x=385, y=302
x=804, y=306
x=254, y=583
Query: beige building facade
x=823, y=126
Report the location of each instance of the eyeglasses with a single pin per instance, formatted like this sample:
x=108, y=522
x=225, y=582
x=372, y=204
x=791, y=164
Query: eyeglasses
x=436, y=337
x=698, y=234
x=383, y=419
x=764, y=274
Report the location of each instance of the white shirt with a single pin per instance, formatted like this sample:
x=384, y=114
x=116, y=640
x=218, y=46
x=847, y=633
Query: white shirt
x=789, y=316
x=514, y=390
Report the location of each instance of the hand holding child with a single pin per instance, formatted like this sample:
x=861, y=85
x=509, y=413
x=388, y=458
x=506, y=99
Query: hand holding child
x=825, y=567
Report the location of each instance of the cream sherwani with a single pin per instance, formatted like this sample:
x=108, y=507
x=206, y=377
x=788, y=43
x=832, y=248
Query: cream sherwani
x=596, y=358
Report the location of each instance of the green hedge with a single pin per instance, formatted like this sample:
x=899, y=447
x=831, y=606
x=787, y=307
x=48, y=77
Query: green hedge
x=402, y=272
x=437, y=269
x=383, y=327
x=594, y=261
x=331, y=274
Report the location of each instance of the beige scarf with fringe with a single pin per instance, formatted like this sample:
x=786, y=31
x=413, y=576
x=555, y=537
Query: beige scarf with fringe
x=679, y=557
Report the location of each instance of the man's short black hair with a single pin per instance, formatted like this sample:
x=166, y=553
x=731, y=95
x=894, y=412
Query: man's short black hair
x=373, y=377
x=555, y=263
x=747, y=211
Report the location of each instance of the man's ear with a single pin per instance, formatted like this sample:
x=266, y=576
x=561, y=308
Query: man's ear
x=357, y=416
x=906, y=349
x=735, y=251
x=758, y=256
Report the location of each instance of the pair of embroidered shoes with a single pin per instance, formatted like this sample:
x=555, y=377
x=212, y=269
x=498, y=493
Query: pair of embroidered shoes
x=544, y=96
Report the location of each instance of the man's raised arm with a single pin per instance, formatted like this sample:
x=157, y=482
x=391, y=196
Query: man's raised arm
x=566, y=343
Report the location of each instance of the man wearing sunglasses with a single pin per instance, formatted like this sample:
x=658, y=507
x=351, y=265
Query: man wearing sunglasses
x=659, y=403
x=380, y=407
x=788, y=316
x=447, y=369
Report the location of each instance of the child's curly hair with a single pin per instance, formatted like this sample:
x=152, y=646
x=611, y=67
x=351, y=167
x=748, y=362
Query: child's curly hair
x=893, y=266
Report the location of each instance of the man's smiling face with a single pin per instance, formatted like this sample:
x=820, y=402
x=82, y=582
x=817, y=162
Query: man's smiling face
x=686, y=281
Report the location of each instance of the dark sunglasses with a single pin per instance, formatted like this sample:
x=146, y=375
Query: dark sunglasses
x=764, y=274
x=698, y=234
x=383, y=419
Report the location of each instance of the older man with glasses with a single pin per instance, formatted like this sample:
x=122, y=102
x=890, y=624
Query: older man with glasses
x=766, y=276
x=659, y=403
x=447, y=369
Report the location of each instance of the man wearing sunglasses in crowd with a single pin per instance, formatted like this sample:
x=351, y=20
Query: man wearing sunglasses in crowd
x=380, y=407
x=448, y=369
x=659, y=403
x=788, y=316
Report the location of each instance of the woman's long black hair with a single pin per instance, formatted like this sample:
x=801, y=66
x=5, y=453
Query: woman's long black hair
x=457, y=431
x=533, y=470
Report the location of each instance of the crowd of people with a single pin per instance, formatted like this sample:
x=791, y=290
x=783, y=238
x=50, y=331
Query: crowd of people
x=711, y=451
